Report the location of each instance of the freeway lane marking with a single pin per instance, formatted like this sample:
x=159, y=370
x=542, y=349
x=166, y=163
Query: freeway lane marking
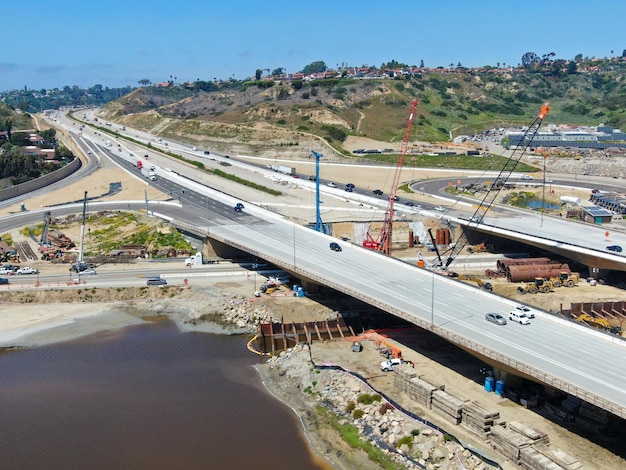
x=545, y=358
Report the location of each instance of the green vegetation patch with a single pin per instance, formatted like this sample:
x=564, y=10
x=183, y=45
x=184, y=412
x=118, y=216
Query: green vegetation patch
x=350, y=434
x=460, y=162
x=244, y=182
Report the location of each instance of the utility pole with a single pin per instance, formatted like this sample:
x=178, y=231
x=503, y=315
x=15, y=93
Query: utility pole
x=319, y=225
x=82, y=230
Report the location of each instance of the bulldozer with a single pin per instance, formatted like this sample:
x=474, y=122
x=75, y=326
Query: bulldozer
x=485, y=285
x=539, y=285
x=565, y=279
x=569, y=279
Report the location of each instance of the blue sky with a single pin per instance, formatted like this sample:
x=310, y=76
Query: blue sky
x=48, y=44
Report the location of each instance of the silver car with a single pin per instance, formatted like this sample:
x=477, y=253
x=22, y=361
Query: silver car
x=495, y=318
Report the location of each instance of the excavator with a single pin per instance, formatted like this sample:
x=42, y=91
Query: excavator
x=598, y=322
x=485, y=285
x=479, y=248
x=539, y=285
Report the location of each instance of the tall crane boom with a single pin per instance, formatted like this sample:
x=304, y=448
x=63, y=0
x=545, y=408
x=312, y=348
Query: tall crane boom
x=500, y=180
x=384, y=239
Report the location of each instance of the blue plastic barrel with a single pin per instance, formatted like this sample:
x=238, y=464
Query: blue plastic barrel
x=300, y=292
x=500, y=387
x=489, y=384
x=295, y=287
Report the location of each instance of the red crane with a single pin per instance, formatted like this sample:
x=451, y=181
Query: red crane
x=384, y=238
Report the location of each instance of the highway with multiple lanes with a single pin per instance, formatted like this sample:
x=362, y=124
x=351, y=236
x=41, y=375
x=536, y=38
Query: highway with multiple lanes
x=549, y=350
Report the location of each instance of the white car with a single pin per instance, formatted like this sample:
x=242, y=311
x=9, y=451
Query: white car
x=523, y=309
x=330, y=184
x=27, y=270
x=526, y=177
x=440, y=209
x=88, y=272
x=519, y=317
x=387, y=366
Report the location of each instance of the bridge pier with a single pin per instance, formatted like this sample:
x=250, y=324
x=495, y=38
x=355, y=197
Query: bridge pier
x=212, y=248
x=509, y=378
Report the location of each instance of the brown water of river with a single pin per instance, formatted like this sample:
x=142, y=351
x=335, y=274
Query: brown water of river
x=147, y=396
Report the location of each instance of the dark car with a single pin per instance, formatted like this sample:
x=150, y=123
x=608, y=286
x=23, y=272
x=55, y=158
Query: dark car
x=615, y=248
x=4, y=280
x=378, y=192
x=335, y=246
x=349, y=190
x=238, y=207
x=350, y=185
x=206, y=152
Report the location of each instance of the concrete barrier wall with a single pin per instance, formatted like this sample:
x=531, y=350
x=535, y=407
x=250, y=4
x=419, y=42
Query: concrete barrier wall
x=41, y=182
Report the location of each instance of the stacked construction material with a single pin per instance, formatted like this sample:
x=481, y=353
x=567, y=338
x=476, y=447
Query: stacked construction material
x=447, y=406
x=540, y=457
x=402, y=377
x=418, y=388
x=537, y=436
x=530, y=272
x=527, y=269
x=503, y=264
x=477, y=419
x=508, y=442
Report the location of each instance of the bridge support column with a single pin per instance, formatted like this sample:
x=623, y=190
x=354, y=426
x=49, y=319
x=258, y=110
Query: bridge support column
x=509, y=378
x=597, y=273
x=310, y=286
x=207, y=248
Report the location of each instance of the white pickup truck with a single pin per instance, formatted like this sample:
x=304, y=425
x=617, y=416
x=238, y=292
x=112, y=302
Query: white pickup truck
x=388, y=365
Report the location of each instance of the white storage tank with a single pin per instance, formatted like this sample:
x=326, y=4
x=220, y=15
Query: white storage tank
x=571, y=200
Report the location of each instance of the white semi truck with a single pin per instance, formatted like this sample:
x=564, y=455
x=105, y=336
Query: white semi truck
x=150, y=174
x=286, y=170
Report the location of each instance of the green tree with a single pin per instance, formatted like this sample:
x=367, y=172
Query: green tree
x=278, y=71
x=315, y=67
x=572, y=68
x=144, y=82
x=258, y=73
x=530, y=60
x=578, y=58
x=8, y=125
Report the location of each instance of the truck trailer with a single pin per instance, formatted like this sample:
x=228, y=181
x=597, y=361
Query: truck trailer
x=286, y=170
x=148, y=174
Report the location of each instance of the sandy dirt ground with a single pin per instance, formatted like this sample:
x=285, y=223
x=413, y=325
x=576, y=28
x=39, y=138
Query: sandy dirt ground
x=29, y=324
